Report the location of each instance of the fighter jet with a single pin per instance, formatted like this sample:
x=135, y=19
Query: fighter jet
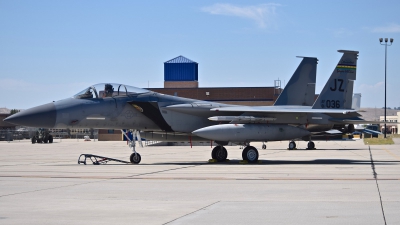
x=117, y=106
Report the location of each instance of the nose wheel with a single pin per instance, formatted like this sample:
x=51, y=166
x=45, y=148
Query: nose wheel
x=250, y=154
x=135, y=158
x=219, y=153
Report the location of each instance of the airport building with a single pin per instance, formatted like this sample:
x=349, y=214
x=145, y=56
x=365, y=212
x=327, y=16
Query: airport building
x=181, y=78
x=4, y=113
x=391, y=129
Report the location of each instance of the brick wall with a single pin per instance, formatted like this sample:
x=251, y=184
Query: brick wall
x=181, y=84
x=104, y=135
x=232, y=95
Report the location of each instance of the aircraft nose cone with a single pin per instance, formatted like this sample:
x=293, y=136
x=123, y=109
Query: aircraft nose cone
x=40, y=116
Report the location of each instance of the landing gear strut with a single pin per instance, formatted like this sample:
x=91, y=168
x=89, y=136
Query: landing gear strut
x=219, y=153
x=250, y=154
x=264, y=146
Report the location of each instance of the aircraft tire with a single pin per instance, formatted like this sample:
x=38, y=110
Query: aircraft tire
x=33, y=140
x=250, y=154
x=50, y=139
x=292, y=145
x=135, y=158
x=213, y=153
x=264, y=146
x=310, y=145
x=219, y=153
x=244, y=153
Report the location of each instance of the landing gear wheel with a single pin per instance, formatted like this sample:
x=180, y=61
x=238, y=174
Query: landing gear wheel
x=39, y=141
x=292, y=145
x=219, y=153
x=264, y=146
x=135, y=158
x=310, y=145
x=50, y=139
x=45, y=140
x=33, y=140
x=250, y=154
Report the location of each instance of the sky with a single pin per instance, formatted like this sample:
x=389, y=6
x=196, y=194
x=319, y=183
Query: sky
x=51, y=50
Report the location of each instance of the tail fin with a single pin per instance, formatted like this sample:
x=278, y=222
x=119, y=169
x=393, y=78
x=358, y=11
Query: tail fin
x=338, y=91
x=300, y=90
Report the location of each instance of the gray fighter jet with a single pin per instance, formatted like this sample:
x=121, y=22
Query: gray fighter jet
x=159, y=116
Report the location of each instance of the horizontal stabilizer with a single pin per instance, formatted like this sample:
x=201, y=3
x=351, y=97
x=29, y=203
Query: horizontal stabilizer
x=371, y=131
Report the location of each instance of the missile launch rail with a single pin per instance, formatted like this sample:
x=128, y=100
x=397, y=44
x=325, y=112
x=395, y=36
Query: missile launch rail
x=97, y=160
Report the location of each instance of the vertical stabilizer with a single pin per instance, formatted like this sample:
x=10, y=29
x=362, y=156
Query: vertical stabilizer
x=300, y=90
x=338, y=91
x=349, y=95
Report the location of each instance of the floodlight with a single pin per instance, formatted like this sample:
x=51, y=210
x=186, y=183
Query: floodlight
x=386, y=40
x=380, y=40
x=391, y=40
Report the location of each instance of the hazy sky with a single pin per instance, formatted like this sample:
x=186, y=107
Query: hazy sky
x=50, y=50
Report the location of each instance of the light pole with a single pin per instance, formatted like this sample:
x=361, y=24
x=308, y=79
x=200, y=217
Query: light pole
x=385, y=44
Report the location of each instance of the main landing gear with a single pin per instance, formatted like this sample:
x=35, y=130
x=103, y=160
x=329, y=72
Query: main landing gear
x=219, y=153
x=250, y=154
x=310, y=145
x=292, y=145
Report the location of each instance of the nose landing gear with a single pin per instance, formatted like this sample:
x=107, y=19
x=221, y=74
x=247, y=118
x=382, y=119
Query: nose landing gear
x=135, y=157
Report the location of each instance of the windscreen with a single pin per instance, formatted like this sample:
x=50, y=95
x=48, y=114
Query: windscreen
x=108, y=90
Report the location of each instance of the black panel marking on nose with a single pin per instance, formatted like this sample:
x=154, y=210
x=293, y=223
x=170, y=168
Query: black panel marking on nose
x=152, y=111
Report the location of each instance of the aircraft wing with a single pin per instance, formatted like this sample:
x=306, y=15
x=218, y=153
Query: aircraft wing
x=268, y=109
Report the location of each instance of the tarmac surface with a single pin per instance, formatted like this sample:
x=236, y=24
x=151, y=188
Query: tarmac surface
x=342, y=182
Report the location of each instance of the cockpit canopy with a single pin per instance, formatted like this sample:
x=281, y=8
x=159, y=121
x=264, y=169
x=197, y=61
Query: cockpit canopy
x=106, y=90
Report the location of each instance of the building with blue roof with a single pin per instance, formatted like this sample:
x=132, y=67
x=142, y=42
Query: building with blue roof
x=181, y=72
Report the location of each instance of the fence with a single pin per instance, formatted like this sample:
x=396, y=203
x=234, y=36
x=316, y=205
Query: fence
x=11, y=135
